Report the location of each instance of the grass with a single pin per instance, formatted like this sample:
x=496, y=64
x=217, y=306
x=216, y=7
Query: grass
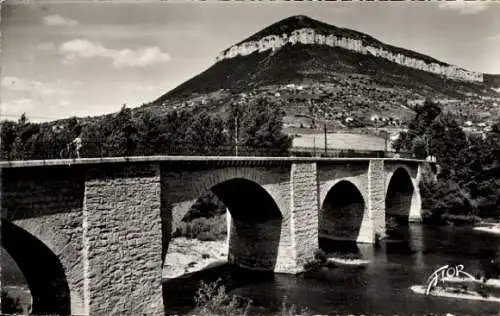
x=204, y=229
x=341, y=141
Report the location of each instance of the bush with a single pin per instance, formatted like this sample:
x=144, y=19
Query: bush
x=447, y=203
x=208, y=205
x=202, y=228
x=212, y=299
x=318, y=261
x=461, y=219
x=391, y=224
x=320, y=255
x=291, y=309
x=10, y=305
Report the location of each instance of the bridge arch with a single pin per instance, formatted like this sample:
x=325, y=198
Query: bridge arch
x=341, y=214
x=48, y=286
x=255, y=228
x=402, y=198
x=254, y=206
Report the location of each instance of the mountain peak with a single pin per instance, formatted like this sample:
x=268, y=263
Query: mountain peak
x=288, y=25
x=297, y=18
x=300, y=49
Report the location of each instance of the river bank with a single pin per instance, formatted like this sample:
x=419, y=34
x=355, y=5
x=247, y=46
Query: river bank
x=186, y=256
x=336, y=261
x=493, y=228
x=470, y=295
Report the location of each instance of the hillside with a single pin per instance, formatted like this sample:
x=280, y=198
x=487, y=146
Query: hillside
x=492, y=80
x=322, y=72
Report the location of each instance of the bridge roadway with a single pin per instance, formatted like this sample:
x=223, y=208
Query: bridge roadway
x=100, y=227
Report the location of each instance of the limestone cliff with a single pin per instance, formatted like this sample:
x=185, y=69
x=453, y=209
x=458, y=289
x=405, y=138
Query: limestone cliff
x=310, y=36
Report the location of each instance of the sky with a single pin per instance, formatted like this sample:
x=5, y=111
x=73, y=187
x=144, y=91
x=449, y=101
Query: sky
x=87, y=58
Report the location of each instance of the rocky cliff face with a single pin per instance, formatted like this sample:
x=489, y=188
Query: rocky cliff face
x=309, y=36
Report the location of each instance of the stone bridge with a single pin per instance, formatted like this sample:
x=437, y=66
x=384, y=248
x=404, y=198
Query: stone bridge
x=91, y=235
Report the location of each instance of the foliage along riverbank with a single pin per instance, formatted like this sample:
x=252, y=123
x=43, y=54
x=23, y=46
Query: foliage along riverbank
x=213, y=299
x=467, y=187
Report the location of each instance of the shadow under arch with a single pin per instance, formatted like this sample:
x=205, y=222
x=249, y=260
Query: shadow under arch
x=42, y=269
x=341, y=215
x=254, y=238
x=255, y=230
x=398, y=199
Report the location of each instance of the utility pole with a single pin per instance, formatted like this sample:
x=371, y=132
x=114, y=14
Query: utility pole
x=236, y=134
x=386, y=134
x=314, y=145
x=326, y=143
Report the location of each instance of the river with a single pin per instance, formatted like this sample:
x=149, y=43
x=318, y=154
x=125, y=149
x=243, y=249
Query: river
x=381, y=287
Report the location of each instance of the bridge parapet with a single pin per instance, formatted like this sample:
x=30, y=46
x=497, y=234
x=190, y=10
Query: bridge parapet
x=210, y=160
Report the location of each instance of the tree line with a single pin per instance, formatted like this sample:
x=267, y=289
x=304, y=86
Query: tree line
x=468, y=179
x=256, y=123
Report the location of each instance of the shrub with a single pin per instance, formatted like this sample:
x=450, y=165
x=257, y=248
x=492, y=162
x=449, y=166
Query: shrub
x=391, y=224
x=320, y=255
x=10, y=305
x=446, y=203
x=212, y=299
x=208, y=205
x=461, y=219
x=318, y=261
x=202, y=228
x=291, y=310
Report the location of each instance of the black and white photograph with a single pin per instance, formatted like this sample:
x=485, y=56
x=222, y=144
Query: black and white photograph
x=249, y=158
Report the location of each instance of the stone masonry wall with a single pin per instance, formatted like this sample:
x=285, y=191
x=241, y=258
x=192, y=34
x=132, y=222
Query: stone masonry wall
x=47, y=203
x=123, y=240
x=304, y=211
x=376, y=197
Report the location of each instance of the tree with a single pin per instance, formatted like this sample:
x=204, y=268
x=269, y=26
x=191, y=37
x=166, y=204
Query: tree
x=425, y=115
x=26, y=134
x=8, y=137
x=261, y=125
x=419, y=127
x=205, y=133
x=419, y=147
x=120, y=134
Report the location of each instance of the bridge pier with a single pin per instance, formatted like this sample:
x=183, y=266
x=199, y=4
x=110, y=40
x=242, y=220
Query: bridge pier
x=415, y=215
x=304, y=213
x=122, y=241
x=375, y=226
